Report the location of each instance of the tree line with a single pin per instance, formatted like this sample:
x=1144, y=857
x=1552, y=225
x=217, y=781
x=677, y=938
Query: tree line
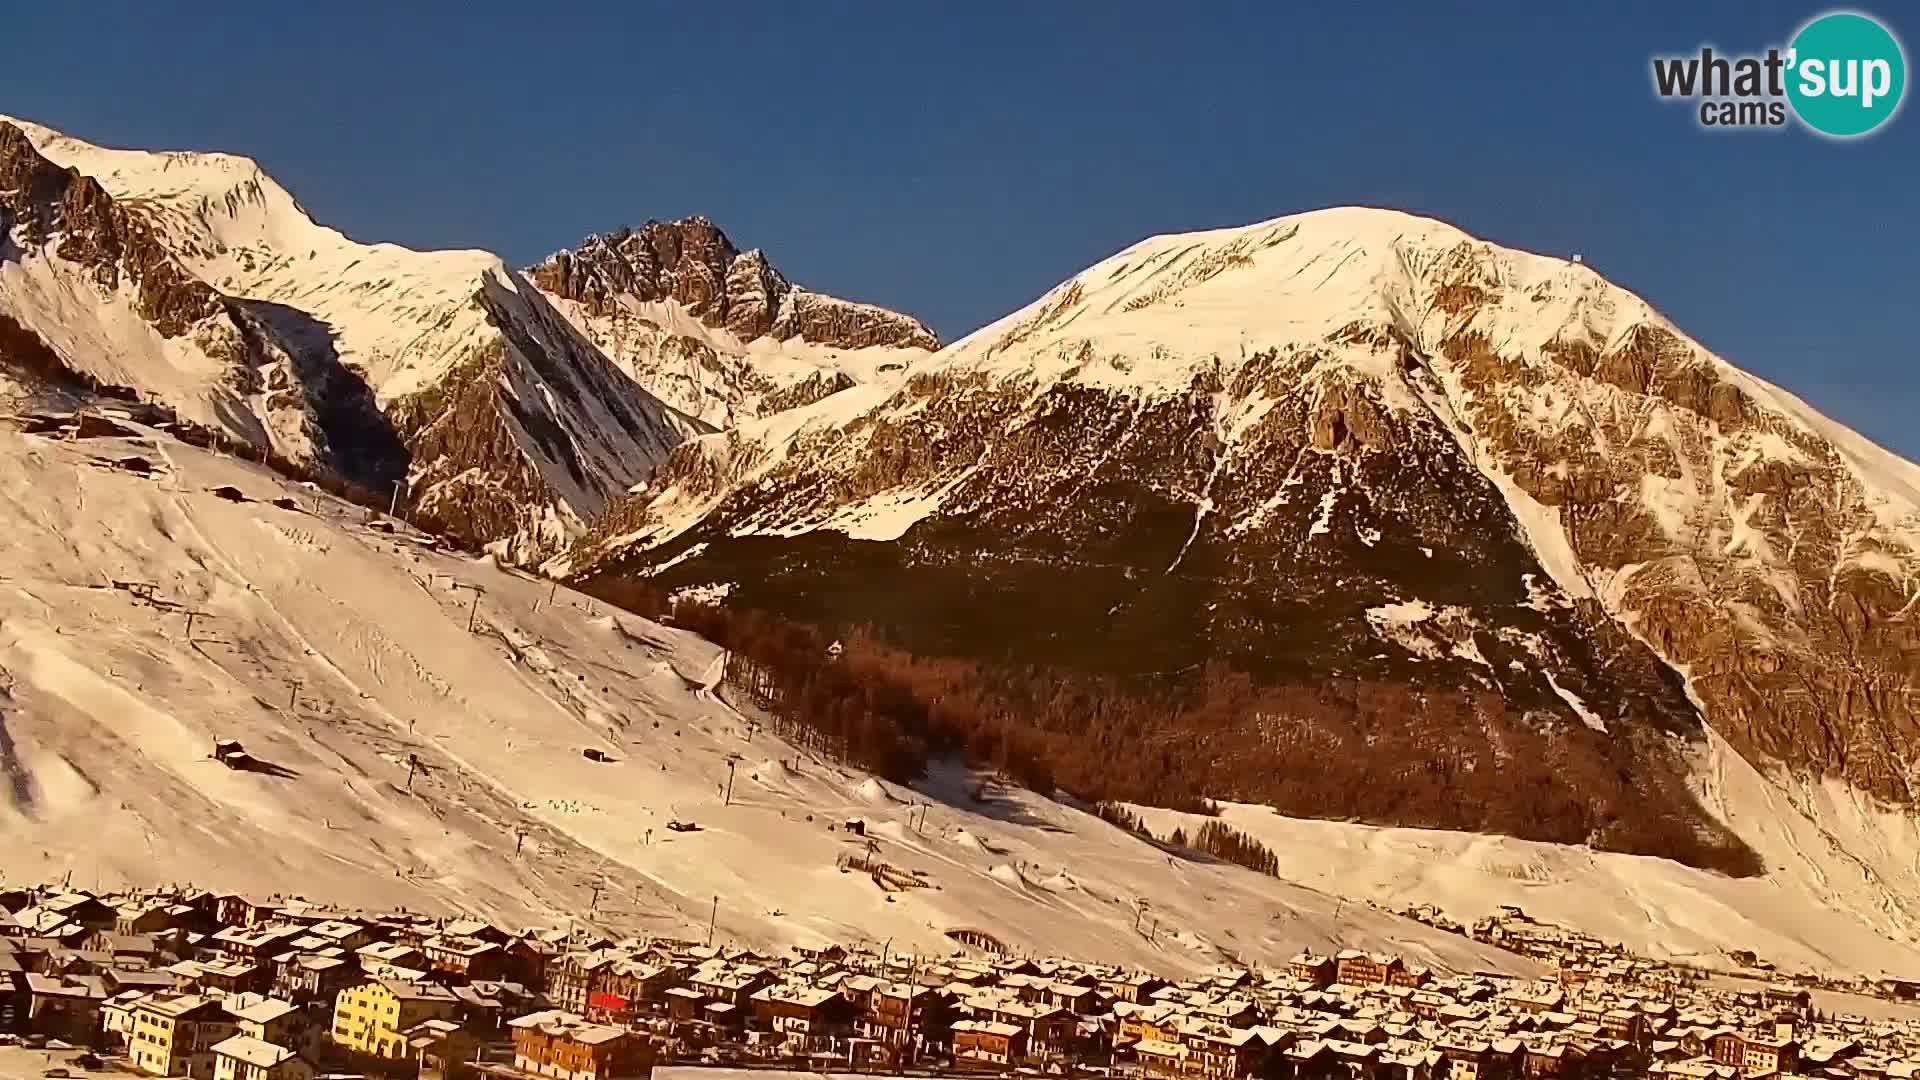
x=1339, y=748
x=1215, y=838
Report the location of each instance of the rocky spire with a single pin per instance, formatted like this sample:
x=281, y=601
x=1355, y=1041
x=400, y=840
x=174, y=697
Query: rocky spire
x=693, y=263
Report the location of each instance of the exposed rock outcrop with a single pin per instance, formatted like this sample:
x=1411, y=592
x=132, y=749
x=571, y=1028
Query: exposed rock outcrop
x=530, y=434
x=1745, y=544
x=692, y=263
x=46, y=202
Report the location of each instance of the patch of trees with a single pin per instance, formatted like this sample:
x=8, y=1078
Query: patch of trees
x=854, y=708
x=1338, y=748
x=1226, y=842
x=1120, y=817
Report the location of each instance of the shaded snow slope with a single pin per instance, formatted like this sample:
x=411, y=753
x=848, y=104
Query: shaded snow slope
x=100, y=334
x=339, y=655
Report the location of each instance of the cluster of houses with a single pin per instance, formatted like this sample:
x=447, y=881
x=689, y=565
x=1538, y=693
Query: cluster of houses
x=1581, y=955
x=223, y=987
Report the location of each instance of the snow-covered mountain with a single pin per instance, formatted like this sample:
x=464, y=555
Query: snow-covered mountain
x=91, y=293
x=1349, y=443
x=446, y=370
x=718, y=333
x=196, y=280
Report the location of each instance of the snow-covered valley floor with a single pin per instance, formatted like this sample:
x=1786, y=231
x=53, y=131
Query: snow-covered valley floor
x=336, y=654
x=1841, y=895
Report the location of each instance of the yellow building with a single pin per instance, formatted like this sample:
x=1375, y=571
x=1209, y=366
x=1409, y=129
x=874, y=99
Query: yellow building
x=174, y=1035
x=374, y=1017
x=1148, y=1023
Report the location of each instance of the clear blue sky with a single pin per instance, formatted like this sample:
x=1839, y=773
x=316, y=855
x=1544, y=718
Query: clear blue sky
x=956, y=160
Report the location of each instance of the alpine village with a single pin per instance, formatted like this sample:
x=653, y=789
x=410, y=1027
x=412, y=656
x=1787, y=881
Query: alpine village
x=208, y=986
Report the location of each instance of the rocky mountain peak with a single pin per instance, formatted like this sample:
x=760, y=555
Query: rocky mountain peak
x=130, y=306
x=693, y=263
x=1352, y=443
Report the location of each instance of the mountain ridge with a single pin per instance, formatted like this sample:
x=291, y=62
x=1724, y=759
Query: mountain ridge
x=693, y=262
x=718, y=332
x=83, y=282
x=483, y=401
x=545, y=433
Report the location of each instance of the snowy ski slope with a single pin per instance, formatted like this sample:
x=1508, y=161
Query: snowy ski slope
x=335, y=653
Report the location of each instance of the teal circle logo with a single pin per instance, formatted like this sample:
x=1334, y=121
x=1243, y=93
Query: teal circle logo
x=1846, y=74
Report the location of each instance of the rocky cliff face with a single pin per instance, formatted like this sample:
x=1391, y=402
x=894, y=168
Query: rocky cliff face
x=693, y=264
x=88, y=229
x=1766, y=552
x=529, y=431
x=1349, y=444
